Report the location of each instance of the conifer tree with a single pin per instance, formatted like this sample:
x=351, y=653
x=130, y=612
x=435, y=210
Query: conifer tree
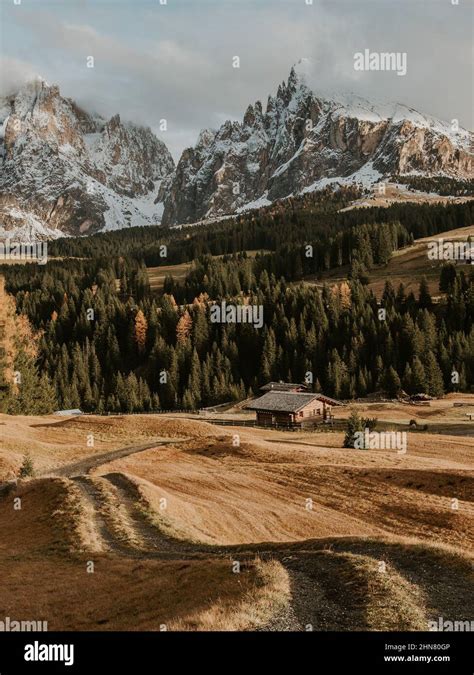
x=354, y=425
x=31, y=393
x=141, y=327
x=418, y=376
x=434, y=376
x=424, y=297
x=392, y=382
x=184, y=327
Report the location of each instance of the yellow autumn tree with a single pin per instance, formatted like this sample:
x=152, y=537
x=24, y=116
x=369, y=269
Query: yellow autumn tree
x=342, y=294
x=184, y=327
x=345, y=295
x=23, y=389
x=141, y=328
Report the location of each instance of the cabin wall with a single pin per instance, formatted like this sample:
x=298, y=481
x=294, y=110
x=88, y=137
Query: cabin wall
x=314, y=409
x=269, y=419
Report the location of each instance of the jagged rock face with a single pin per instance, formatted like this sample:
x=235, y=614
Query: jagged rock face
x=63, y=171
x=131, y=159
x=302, y=139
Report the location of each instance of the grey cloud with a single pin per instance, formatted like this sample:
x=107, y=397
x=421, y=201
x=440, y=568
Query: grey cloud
x=176, y=62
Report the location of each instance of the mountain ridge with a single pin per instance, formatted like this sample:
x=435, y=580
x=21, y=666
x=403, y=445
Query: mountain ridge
x=303, y=141
x=65, y=171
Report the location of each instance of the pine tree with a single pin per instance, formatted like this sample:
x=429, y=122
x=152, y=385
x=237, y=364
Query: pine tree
x=31, y=393
x=434, y=376
x=184, y=327
x=361, y=383
x=188, y=400
x=418, y=376
x=392, y=382
x=268, y=361
x=424, y=297
x=354, y=425
x=200, y=330
x=408, y=379
x=194, y=381
x=27, y=469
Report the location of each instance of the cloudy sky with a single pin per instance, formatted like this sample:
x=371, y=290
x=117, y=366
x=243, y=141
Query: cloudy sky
x=174, y=61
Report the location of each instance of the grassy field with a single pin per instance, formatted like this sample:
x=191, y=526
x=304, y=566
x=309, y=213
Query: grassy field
x=400, y=193
x=157, y=275
x=408, y=266
x=275, y=533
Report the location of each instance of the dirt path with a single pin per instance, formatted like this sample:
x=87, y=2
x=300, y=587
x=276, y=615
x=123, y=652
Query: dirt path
x=152, y=537
x=99, y=528
x=118, y=522
x=92, y=462
x=153, y=544
x=327, y=591
x=319, y=599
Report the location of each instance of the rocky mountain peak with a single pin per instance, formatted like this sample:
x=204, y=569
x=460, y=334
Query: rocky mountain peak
x=205, y=138
x=306, y=139
x=63, y=170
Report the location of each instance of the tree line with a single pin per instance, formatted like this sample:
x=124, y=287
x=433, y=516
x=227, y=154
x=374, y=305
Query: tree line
x=107, y=343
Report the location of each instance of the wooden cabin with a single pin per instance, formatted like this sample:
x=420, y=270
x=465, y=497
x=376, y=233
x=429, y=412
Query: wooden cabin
x=282, y=408
x=286, y=408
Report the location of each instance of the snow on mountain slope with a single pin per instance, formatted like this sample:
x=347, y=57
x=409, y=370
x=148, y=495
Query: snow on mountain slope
x=304, y=141
x=64, y=171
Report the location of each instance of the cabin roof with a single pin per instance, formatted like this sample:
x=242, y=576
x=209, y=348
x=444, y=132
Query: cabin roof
x=289, y=401
x=282, y=386
x=280, y=401
x=329, y=400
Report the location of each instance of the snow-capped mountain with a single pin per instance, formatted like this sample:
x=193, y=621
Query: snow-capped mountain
x=64, y=171
x=305, y=140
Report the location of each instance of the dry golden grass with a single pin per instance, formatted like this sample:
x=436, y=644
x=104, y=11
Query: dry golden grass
x=252, y=498
x=49, y=517
x=157, y=275
x=50, y=439
x=218, y=494
x=408, y=266
x=54, y=442
x=121, y=594
x=269, y=595
x=392, y=602
x=44, y=574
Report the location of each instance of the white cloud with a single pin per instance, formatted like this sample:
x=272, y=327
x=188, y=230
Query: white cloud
x=14, y=73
